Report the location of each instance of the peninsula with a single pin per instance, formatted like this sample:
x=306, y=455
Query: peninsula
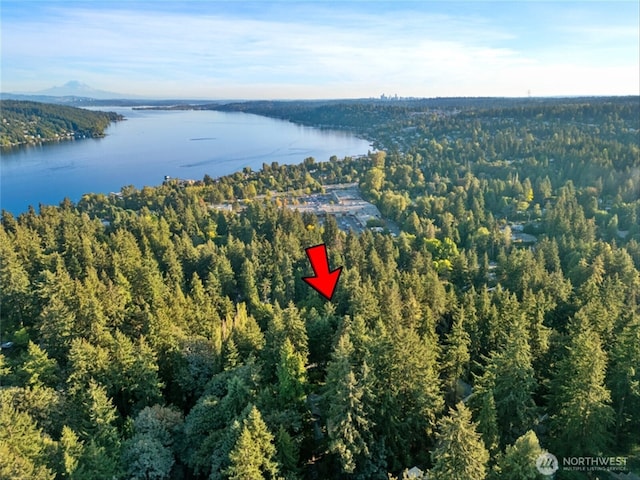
x=24, y=123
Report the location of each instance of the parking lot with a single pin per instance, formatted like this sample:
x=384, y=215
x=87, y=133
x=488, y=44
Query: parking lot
x=344, y=202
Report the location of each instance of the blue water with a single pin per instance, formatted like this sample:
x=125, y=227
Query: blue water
x=151, y=144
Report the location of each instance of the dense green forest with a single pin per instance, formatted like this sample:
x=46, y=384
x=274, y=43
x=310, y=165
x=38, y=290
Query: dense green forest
x=152, y=334
x=26, y=122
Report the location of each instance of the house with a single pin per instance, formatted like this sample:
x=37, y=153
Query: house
x=414, y=472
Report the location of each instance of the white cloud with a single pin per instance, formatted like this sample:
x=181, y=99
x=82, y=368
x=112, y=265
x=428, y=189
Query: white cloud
x=309, y=51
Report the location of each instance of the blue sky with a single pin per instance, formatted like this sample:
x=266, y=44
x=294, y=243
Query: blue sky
x=322, y=49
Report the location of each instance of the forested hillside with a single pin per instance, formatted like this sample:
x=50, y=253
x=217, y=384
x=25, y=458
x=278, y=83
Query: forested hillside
x=158, y=334
x=25, y=122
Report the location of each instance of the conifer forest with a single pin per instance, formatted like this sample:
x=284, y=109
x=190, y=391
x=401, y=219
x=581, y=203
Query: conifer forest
x=489, y=315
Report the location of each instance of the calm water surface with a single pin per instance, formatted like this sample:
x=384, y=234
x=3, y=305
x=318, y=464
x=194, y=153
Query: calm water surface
x=151, y=144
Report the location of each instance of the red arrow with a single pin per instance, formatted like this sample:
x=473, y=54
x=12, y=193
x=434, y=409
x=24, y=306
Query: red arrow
x=324, y=281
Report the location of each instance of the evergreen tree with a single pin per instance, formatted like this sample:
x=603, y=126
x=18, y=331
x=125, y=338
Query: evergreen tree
x=253, y=456
x=348, y=425
x=97, y=428
x=246, y=332
x=460, y=453
x=133, y=376
x=580, y=402
x=97, y=462
x=456, y=355
x=14, y=294
x=55, y=327
x=287, y=455
x=38, y=369
x=320, y=328
x=364, y=303
x=90, y=320
x=408, y=397
x=71, y=450
x=5, y=369
x=24, y=449
x=509, y=376
x=484, y=406
x=214, y=423
x=519, y=460
x=230, y=355
x=284, y=324
x=291, y=375
x=623, y=378
x=247, y=283
x=330, y=231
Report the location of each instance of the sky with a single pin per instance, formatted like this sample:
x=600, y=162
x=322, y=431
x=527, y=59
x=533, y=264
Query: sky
x=322, y=49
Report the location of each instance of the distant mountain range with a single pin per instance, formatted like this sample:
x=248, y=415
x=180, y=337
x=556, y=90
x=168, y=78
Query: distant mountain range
x=80, y=94
x=77, y=89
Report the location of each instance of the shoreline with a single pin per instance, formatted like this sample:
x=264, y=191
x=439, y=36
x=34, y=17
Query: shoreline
x=42, y=141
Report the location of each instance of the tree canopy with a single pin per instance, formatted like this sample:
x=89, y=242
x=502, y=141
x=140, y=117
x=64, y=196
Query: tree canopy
x=166, y=332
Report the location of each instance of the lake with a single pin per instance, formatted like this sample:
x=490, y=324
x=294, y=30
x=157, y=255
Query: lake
x=150, y=144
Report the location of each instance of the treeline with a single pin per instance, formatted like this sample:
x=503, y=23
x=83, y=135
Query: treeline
x=26, y=122
x=378, y=119
x=154, y=336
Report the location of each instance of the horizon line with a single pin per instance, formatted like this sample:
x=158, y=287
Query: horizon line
x=389, y=99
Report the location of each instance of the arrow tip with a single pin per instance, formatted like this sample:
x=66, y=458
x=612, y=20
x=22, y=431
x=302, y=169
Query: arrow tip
x=324, y=280
x=325, y=284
